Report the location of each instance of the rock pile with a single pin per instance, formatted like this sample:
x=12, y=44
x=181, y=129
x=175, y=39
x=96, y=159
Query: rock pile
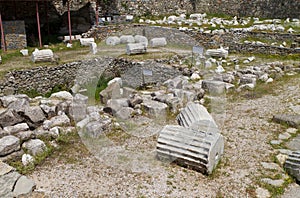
x=24, y=120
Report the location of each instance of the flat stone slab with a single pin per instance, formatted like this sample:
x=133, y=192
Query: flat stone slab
x=262, y=193
x=24, y=186
x=290, y=120
x=271, y=166
x=7, y=183
x=294, y=144
x=277, y=182
x=5, y=168
x=9, y=144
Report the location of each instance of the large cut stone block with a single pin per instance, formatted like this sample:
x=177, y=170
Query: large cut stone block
x=45, y=55
x=158, y=42
x=136, y=48
x=155, y=109
x=214, y=87
x=190, y=148
x=113, y=40
x=125, y=39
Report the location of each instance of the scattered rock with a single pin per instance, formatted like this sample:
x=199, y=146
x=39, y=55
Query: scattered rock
x=24, y=186
x=277, y=183
x=34, y=146
x=9, y=144
x=262, y=193
x=291, y=120
x=27, y=159
x=62, y=95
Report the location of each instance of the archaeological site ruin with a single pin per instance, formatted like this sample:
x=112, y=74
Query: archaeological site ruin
x=148, y=98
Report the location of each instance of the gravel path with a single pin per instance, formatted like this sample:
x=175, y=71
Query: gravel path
x=247, y=130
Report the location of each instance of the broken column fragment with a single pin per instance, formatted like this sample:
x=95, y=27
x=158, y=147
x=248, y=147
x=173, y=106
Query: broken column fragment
x=190, y=148
x=196, y=116
x=292, y=165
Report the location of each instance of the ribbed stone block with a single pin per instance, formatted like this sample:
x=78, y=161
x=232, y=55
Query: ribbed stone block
x=136, y=48
x=45, y=55
x=292, y=164
x=196, y=116
x=190, y=148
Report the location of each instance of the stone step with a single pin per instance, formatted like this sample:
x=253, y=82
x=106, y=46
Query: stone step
x=193, y=149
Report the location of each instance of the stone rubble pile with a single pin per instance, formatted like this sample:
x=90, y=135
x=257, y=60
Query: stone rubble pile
x=200, y=22
x=13, y=184
x=24, y=120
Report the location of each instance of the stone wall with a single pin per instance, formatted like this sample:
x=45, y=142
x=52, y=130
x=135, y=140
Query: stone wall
x=15, y=35
x=257, y=8
x=43, y=79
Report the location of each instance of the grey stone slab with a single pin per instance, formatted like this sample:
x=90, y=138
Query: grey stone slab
x=155, y=109
x=277, y=183
x=5, y=168
x=294, y=144
x=291, y=120
x=9, y=144
x=24, y=186
x=7, y=183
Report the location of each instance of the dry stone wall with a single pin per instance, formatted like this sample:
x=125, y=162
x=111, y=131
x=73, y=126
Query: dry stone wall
x=15, y=35
x=258, y=8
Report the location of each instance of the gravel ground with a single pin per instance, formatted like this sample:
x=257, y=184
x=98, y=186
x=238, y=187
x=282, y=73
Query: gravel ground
x=125, y=165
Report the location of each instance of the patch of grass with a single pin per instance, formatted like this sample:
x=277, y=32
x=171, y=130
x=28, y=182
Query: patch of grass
x=38, y=159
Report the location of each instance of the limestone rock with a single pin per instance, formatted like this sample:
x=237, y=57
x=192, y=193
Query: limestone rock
x=34, y=146
x=50, y=111
x=60, y=120
x=27, y=159
x=112, y=91
x=16, y=128
x=114, y=105
x=24, y=186
x=93, y=48
x=125, y=39
x=158, y=42
x=7, y=183
x=291, y=120
x=113, y=40
x=125, y=113
x=213, y=87
x=221, y=52
x=62, y=95
x=155, y=109
x=141, y=39
x=136, y=48
x=35, y=116
x=86, y=41
x=9, y=144
x=45, y=55
x=5, y=168
x=9, y=118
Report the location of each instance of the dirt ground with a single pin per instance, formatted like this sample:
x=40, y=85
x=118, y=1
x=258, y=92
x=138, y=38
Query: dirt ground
x=90, y=169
